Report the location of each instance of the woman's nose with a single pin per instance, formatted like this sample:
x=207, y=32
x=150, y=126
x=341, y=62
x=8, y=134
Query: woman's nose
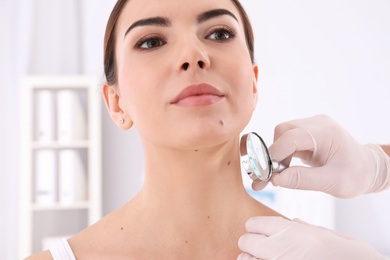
x=200, y=64
x=193, y=56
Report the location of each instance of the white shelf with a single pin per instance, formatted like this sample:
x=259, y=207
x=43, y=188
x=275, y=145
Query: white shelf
x=60, y=145
x=61, y=206
x=73, y=216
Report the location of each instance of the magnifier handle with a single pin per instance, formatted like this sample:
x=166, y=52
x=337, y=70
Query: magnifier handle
x=278, y=167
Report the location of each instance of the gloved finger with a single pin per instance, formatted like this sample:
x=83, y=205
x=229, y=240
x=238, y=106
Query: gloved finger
x=267, y=225
x=259, y=185
x=284, y=127
x=291, y=142
x=251, y=244
x=300, y=221
x=245, y=256
x=314, y=122
x=273, y=247
x=305, y=178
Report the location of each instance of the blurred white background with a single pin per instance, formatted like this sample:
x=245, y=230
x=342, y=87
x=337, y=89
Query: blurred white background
x=315, y=57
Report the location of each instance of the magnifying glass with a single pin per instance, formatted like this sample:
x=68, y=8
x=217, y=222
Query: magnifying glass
x=256, y=159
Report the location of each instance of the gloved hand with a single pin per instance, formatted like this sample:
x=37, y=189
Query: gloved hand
x=340, y=166
x=277, y=238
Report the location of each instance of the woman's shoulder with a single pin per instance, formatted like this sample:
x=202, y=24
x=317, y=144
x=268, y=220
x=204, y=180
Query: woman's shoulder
x=102, y=238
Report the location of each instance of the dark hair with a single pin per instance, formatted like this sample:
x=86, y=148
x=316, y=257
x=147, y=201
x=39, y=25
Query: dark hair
x=110, y=69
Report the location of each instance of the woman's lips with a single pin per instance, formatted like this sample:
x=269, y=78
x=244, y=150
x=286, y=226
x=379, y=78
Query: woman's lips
x=198, y=95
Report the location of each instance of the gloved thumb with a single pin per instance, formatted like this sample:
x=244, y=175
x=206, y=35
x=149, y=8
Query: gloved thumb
x=303, y=178
x=259, y=185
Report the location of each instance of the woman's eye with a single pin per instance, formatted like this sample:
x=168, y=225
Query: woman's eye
x=150, y=43
x=221, y=35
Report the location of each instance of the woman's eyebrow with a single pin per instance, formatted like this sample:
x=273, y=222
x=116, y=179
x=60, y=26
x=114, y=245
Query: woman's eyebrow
x=214, y=13
x=156, y=21
x=163, y=21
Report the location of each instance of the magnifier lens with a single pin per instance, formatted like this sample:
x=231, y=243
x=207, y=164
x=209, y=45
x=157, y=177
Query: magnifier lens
x=256, y=154
x=258, y=157
x=255, y=158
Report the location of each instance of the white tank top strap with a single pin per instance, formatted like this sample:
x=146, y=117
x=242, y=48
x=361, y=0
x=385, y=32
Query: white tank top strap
x=61, y=250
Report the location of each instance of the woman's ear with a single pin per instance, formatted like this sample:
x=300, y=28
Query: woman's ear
x=115, y=108
x=255, y=77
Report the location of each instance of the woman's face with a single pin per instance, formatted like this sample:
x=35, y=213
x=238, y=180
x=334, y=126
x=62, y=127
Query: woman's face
x=185, y=77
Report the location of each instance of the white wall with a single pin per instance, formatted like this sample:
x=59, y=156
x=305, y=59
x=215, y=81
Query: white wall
x=315, y=57
x=9, y=147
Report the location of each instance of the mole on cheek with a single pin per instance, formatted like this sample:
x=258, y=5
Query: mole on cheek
x=221, y=122
x=228, y=163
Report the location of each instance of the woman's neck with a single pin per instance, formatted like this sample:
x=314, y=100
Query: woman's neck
x=194, y=198
x=193, y=177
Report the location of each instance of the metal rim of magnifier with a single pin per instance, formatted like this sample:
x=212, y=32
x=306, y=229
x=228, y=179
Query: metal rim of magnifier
x=245, y=159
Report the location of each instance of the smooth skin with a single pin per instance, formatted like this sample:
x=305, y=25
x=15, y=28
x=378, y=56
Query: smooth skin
x=193, y=204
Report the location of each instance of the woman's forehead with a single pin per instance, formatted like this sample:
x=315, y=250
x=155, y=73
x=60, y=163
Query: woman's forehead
x=183, y=10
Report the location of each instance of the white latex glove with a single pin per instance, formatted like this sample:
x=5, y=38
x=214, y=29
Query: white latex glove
x=280, y=239
x=340, y=166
